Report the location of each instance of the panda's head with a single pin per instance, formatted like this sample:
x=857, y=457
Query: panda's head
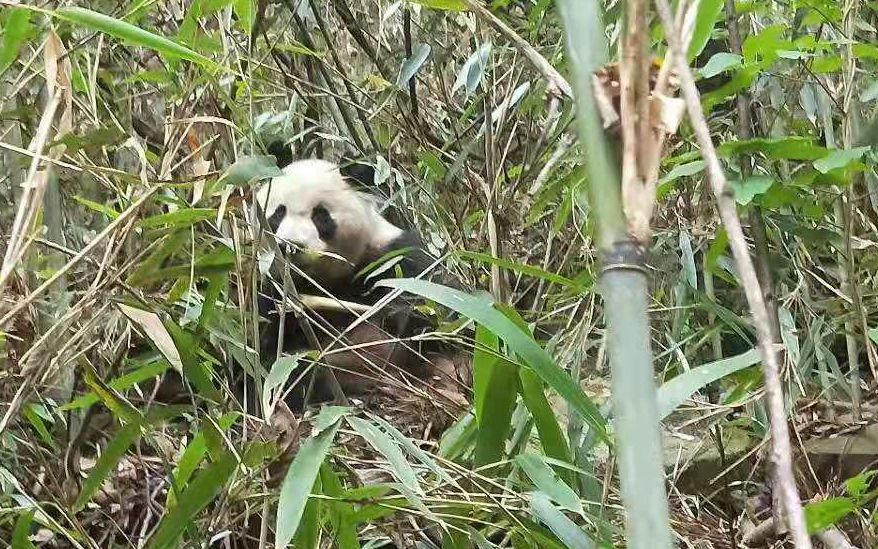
x=313, y=208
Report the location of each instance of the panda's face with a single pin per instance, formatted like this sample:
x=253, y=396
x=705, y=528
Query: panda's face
x=313, y=208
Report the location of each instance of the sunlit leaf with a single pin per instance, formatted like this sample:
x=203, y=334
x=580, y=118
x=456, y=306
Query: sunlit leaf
x=16, y=28
x=839, y=158
x=820, y=515
x=719, y=63
x=748, y=189
x=705, y=19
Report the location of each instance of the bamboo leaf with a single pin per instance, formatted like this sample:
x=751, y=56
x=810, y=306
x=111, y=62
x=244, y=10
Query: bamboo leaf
x=21, y=532
x=720, y=63
x=399, y=467
x=529, y=270
x=473, y=70
x=675, y=392
x=444, y=5
x=156, y=332
x=249, y=169
x=107, y=462
x=16, y=29
x=130, y=33
x=192, y=456
x=545, y=479
x=521, y=343
x=551, y=436
x=149, y=371
x=839, y=158
x=299, y=481
x=413, y=64
x=567, y=531
x=820, y=515
x=200, y=492
x=705, y=19
x=498, y=403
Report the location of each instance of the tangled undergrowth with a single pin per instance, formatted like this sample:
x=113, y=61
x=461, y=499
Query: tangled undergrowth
x=132, y=134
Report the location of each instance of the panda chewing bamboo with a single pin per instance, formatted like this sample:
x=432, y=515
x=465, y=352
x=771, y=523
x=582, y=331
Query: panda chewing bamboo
x=329, y=232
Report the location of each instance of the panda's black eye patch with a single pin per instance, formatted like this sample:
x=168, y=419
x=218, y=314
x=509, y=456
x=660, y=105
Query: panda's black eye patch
x=277, y=217
x=324, y=222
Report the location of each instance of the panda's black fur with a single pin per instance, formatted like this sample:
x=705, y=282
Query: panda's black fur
x=396, y=320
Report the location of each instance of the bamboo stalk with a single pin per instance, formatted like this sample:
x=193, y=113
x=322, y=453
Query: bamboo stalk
x=624, y=287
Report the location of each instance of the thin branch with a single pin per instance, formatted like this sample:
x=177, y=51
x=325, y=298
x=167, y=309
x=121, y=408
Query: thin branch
x=781, y=454
x=557, y=83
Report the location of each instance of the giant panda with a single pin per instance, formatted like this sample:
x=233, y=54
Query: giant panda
x=329, y=231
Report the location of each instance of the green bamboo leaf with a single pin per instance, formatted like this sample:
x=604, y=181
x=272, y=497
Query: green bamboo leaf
x=485, y=355
x=102, y=208
x=341, y=512
x=413, y=449
x=399, y=466
x=720, y=63
x=683, y=170
x=567, y=531
x=181, y=218
x=131, y=33
x=457, y=439
x=500, y=392
x=107, y=462
x=192, y=456
x=16, y=28
x=551, y=435
x=149, y=371
x=444, y=5
x=250, y=169
x=675, y=392
x=705, y=19
x=545, y=479
x=747, y=189
x=21, y=533
x=529, y=270
x=839, y=158
x=820, y=515
x=275, y=380
x=200, y=492
x=299, y=481
x=245, y=10
x=521, y=343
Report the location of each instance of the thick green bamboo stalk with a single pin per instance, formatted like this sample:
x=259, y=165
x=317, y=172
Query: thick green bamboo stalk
x=625, y=293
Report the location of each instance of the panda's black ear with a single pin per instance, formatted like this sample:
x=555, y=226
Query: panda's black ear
x=282, y=152
x=359, y=174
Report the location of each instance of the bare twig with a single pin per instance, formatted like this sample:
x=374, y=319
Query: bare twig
x=557, y=83
x=123, y=217
x=781, y=455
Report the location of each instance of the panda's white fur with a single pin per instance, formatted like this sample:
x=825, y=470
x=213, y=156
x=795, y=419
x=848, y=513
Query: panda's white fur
x=306, y=183
x=360, y=236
